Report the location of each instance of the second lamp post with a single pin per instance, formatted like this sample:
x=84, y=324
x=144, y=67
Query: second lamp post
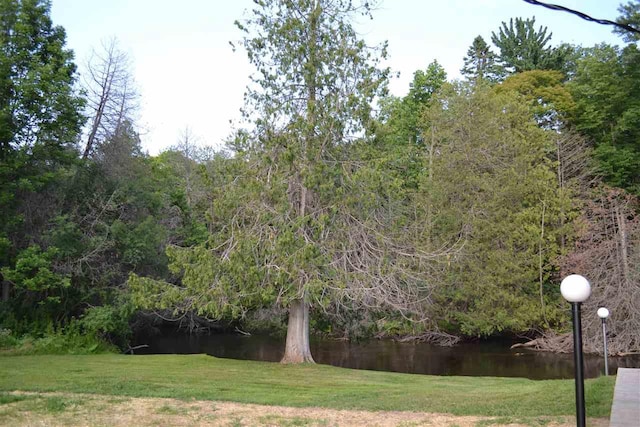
x=603, y=313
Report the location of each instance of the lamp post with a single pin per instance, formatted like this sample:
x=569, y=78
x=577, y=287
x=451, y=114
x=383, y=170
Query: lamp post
x=576, y=289
x=603, y=313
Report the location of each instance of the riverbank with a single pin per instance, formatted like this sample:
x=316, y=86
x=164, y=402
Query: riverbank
x=203, y=377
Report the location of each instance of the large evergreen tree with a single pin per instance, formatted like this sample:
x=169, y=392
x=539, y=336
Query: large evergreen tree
x=492, y=185
x=630, y=15
x=38, y=105
x=309, y=215
x=315, y=84
x=524, y=48
x=39, y=120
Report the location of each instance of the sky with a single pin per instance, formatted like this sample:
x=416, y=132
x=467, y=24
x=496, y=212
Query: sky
x=189, y=77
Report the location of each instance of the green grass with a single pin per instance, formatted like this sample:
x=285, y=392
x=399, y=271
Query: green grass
x=35, y=403
x=11, y=398
x=208, y=378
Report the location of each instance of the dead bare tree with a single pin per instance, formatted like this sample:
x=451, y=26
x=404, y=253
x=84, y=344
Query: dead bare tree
x=188, y=147
x=607, y=252
x=576, y=171
x=111, y=94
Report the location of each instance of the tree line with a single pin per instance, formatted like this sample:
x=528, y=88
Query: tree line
x=451, y=212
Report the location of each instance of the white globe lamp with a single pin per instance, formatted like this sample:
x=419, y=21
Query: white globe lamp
x=575, y=288
x=603, y=313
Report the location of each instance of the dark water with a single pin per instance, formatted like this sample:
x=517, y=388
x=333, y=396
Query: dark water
x=475, y=359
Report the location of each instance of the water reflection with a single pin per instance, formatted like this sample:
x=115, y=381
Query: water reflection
x=476, y=359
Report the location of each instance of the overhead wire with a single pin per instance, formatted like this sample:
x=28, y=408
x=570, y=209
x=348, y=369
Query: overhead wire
x=583, y=15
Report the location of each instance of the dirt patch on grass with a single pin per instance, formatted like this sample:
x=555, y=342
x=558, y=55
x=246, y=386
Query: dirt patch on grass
x=64, y=409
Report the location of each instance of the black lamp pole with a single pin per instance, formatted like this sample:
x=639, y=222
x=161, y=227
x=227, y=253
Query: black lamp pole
x=604, y=342
x=579, y=365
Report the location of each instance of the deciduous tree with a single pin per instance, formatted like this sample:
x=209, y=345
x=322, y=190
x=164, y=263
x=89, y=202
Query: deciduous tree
x=401, y=116
x=606, y=90
x=544, y=91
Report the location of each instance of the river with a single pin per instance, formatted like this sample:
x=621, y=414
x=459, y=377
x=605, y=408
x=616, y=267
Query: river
x=472, y=359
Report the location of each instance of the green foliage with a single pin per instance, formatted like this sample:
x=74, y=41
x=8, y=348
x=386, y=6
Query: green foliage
x=481, y=63
x=185, y=180
x=523, y=48
x=630, y=15
x=494, y=186
x=606, y=90
x=75, y=338
x=544, y=91
x=39, y=109
x=620, y=164
x=139, y=243
x=39, y=288
x=61, y=342
x=67, y=237
x=426, y=83
x=40, y=119
x=7, y=339
x=109, y=322
x=401, y=116
x=33, y=271
x=449, y=197
x=599, y=89
x=304, y=52
x=95, y=222
x=40, y=115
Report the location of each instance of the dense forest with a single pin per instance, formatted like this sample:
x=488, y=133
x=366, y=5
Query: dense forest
x=450, y=213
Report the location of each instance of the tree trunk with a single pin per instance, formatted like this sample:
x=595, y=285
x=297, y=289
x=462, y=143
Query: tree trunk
x=94, y=129
x=624, y=254
x=541, y=265
x=297, y=348
x=6, y=288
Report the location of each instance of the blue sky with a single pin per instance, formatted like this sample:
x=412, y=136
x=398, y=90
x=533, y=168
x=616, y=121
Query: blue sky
x=187, y=74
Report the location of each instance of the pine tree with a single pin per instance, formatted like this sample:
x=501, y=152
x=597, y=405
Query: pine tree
x=630, y=15
x=40, y=118
x=481, y=63
x=523, y=48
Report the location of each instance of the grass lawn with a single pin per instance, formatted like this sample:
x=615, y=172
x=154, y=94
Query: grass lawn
x=204, y=377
